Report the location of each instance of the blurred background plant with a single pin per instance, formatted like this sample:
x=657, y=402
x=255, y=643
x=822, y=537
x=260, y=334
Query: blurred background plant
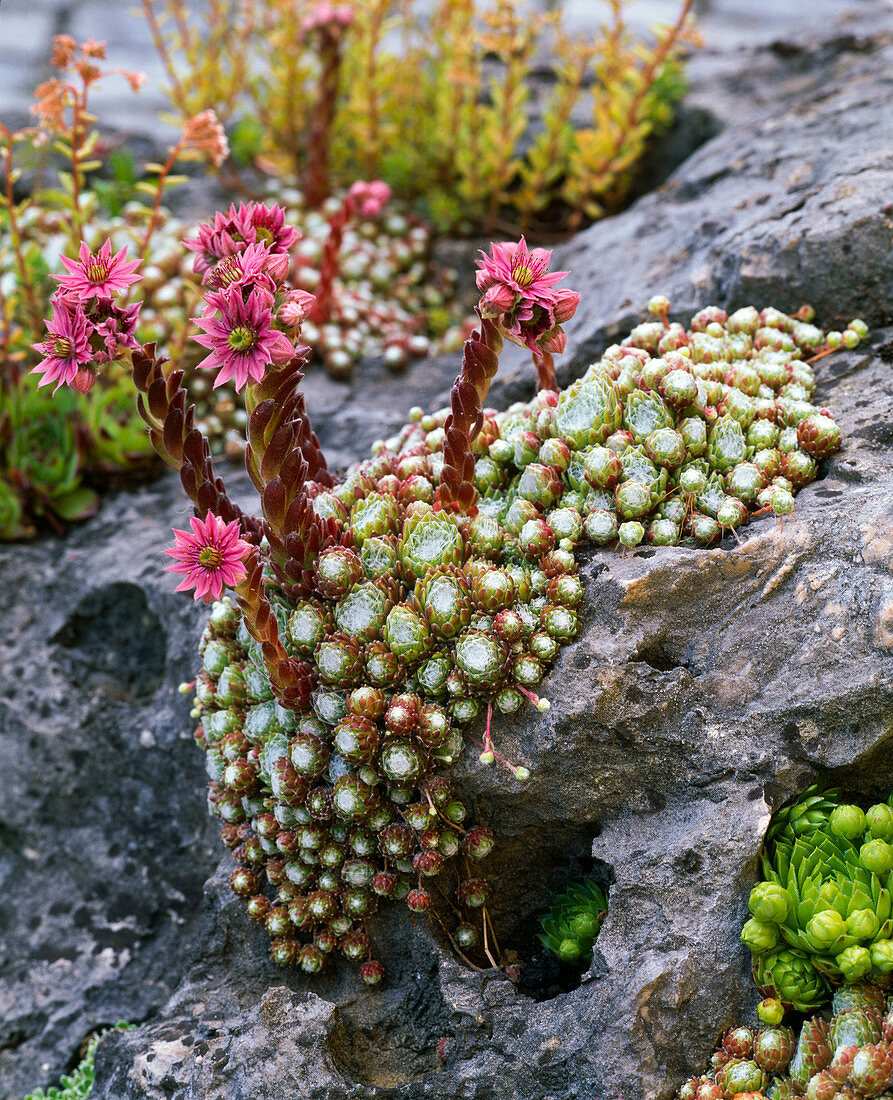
x=52, y=454
x=62, y=183
x=440, y=105
x=436, y=100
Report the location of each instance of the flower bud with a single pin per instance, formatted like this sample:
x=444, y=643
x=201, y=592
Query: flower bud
x=282, y=350
x=824, y=929
x=771, y=1011
x=880, y=821
x=759, y=936
x=876, y=856
x=882, y=956
x=862, y=924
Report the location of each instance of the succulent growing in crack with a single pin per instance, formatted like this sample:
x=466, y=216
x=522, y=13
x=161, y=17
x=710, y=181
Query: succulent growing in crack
x=373, y=617
x=823, y=914
x=574, y=921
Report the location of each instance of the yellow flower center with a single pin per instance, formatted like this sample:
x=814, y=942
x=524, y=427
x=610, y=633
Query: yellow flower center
x=241, y=339
x=96, y=271
x=62, y=347
x=210, y=558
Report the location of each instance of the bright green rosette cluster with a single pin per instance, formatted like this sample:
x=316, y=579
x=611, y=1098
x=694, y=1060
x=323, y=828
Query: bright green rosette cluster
x=574, y=921
x=823, y=914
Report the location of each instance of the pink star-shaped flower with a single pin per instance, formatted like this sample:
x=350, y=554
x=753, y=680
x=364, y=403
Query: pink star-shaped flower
x=518, y=290
x=231, y=233
x=210, y=557
x=242, y=341
x=66, y=351
x=99, y=275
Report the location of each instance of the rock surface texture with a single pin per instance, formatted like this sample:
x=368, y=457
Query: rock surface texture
x=705, y=688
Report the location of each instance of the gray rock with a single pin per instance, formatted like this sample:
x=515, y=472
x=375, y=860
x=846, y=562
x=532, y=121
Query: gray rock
x=705, y=689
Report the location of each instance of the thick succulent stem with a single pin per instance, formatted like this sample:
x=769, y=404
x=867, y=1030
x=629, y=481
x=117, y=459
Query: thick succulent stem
x=479, y=362
x=162, y=405
x=283, y=455
x=545, y=370
x=292, y=680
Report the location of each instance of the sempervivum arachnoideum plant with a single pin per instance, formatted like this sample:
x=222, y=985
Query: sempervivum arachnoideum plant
x=823, y=915
x=372, y=617
x=844, y=1055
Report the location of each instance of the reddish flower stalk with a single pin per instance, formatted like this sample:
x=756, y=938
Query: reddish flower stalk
x=283, y=455
x=173, y=433
x=162, y=405
x=328, y=24
x=545, y=370
x=479, y=362
x=363, y=200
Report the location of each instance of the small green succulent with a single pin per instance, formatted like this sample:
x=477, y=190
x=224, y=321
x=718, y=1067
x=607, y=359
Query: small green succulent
x=573, y=923
x=78, y=1084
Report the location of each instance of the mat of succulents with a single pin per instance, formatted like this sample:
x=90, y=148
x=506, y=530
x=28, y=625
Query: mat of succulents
x=366, y=626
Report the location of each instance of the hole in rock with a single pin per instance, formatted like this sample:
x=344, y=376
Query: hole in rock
x=867, y=778
x=80, y=1050
x=13, y=1040
x=870, y=776
x=660, y=654
x=545, y=976
x=533, y=867
x=10, y=838
x=115, y=643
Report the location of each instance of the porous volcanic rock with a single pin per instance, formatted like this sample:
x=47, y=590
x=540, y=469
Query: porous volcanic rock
x=706, y=687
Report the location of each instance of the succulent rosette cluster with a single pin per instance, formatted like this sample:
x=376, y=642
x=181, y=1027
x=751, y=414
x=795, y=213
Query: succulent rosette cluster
x=370, y=619
x=686, y=433
x=823, y=914
x=573, y=922
x=846, y=1055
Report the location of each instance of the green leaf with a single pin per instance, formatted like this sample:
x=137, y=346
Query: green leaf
x=76, y=503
